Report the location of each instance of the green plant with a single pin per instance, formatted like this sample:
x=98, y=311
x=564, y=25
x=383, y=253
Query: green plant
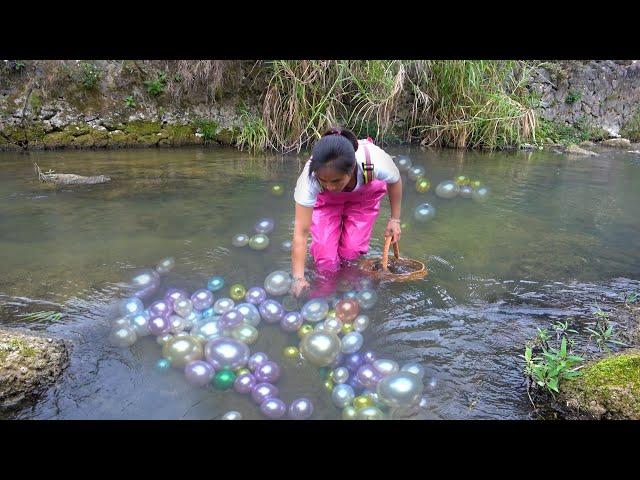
x=35, y=101
x=543, y=337
x=554, y=366
x=156, y=86
x=50, y=316
x=253, y=134
x=130, y=102
x=90, y=75
x=632, y=298
x=208, y=129
x=572, y=97
x=18, y=65
x=631, y=129
x=562, y=329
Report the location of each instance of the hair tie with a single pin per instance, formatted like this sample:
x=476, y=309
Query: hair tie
x=337, y=132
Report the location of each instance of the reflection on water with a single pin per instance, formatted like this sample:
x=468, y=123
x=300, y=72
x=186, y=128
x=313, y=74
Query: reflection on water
x=556, y=235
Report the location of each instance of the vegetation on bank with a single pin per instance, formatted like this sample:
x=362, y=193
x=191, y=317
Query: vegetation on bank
x=458, y=103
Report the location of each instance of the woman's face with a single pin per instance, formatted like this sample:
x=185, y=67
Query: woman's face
x=333, y=180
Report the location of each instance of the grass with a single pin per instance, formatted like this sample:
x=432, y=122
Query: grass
x=631, y=129
x=475, y=104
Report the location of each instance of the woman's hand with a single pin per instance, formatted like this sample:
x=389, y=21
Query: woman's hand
x=393, y=229
x=298, y=286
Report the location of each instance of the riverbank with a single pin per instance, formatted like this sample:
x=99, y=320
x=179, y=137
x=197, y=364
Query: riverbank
x=47, y=105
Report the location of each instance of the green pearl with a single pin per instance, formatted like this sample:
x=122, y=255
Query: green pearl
x=223, y=380
x=277, y=190
x=348, y=413
x=328, y=384
x=422, y=185
x=305, y=330
x=237, y=291
x=324, y=371
x=291, y=352
x=462, y=180
x=347, y=328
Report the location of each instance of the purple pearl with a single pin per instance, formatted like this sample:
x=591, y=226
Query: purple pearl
x=257, y=359
x=160, y=308
x=355, y=384
x=292, y=322
x=263, y=391
x=368, y=376
x=159, y=326
x=273, y=408
x=244, y=383
x=271, y=311
x=301, y=409
x=202, y=299
x=369, y=356
x=145, y=283
x=256, y=295
x=338, y=361
x=354, y=361
x=198, y=373
x=173, y=294
x=267, y=372
x=230, y=319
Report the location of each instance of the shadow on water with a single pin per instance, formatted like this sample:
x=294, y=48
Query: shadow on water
x=556, y=236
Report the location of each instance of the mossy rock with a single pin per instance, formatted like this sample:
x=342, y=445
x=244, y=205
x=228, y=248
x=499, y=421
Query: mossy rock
x=76, y=130
x=180, y=134
x=608, y=388
x=28, y=363
x=120, y=139
x=141, y=128
x=56, y=140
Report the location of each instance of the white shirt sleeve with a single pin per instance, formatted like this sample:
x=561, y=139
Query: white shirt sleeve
x=384, y=168
x=307, y=189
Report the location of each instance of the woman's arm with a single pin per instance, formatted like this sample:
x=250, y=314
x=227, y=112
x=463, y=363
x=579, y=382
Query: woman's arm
x=299, y=250
x=395, y=199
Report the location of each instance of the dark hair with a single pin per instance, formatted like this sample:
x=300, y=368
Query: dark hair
x=336, y=148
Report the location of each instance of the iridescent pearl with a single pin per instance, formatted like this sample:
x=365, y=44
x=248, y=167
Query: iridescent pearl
x=240, y=240
x=232, y=415
x=301, y=409
x=165, y=265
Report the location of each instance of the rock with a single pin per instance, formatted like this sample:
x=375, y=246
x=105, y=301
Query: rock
x=527, y=146
x=21, y=380
x=608, y=388
x=72, y=179
x=576, y=150
x=616, y=143
x=587, y=143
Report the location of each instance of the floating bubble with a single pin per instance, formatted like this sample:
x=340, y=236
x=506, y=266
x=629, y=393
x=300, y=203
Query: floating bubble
x=259, y=242
x=223, y=305
x=256, y=295
x=424, y=212
x=165, y=265
x=145, y=283
x=315, y=310
x=404, y=163
x=131, y=306
x=271, y=311
x=123, y=336
x=447, y=189
x=250, y=313
x=202, y=299
x=367, y=299
x=215, y=283
x=240, y=240
x=182, y=350
x=278, y=283
x=226, y=352
x=286, y=246
x=480, y=195
x=466, y=191
x=264, y=225
x=416, y=172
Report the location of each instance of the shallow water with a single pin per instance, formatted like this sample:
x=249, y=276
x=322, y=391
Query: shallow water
x=557, y=235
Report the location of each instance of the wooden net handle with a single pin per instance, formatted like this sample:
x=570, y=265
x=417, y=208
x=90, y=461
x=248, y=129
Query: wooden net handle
x=385, y=252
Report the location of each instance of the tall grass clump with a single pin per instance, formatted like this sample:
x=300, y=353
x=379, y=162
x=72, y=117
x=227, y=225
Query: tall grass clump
x=462, y=104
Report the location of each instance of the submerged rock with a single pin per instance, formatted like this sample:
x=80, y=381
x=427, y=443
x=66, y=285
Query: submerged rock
x=617, y=143
x=28, y=364
x=576, y=150
x=608, y=388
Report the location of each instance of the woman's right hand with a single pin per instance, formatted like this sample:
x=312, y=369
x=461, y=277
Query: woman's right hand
x=298, y=286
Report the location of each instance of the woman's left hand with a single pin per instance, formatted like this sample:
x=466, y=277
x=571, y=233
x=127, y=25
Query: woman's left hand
x=393, y=229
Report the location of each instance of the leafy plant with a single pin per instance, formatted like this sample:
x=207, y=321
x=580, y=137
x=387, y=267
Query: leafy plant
x=543, y=337
x=632, y=298
x=49, y=316
x=554, y=366
x=90, y=75
x=130, y=102
x=156, y=86
x=572, y=97
x=603, y=333
x=208, y=129
x=562, y=329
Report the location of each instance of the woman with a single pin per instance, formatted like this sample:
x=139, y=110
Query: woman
x=338, y=198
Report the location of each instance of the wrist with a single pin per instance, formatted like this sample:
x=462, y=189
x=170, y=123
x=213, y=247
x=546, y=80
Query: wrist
x=395, y=220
